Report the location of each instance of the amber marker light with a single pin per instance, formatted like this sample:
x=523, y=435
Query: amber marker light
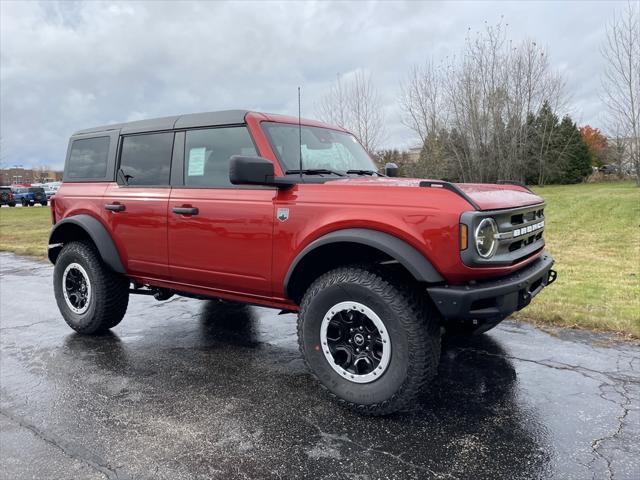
x=464, y=237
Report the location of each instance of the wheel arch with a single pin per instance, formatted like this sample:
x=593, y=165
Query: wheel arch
x=351, y=246
x=85, y=227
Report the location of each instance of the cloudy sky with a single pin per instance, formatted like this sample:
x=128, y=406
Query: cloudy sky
x=71, y=65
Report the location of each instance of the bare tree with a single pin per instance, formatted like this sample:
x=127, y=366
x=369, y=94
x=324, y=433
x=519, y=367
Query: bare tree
x=334, y=106
x=472, y=112
x=422, y=100
x=621, y=80
x=353, y=103
x=40, y=173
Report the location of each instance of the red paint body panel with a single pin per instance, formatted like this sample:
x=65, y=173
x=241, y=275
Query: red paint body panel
x=79, y=198
x=227, y=246
x=497, y=197
x=140, y=231
x=235, y=248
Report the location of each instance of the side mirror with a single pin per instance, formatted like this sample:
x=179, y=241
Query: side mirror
x=391, y=170
x=245, y=170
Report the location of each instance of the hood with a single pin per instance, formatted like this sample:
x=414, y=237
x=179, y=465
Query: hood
x=487, y=196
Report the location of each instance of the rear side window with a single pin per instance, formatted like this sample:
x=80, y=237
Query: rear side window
x=146, y=159
x=207, y=153
x=88, y=158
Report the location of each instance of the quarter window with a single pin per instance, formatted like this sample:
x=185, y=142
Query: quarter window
x=207, y=154
x=146, y=159
x=88, y=158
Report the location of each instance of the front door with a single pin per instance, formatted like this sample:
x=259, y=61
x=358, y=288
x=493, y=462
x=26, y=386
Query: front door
x=135, y=208
x=220, y=235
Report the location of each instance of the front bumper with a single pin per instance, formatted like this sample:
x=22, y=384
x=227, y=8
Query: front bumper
x=497, y=298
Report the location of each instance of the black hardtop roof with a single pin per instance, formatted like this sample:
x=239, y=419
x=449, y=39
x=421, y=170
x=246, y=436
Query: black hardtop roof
x=191, y=120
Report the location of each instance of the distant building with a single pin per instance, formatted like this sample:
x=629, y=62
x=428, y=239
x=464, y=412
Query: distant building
x=13, y=175
x=622, y=152
x=413, y=154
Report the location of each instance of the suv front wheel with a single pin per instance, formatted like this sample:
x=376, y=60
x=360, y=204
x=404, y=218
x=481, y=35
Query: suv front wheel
x=371, y=342
x=91, y=297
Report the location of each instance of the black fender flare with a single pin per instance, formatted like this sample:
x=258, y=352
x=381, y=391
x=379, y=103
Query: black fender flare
x=95, y=230
x=408, y=256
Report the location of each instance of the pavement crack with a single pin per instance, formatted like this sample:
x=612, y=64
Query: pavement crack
x=584, y=371
x=16, y=327
x=595, y=444
x=396, y=457
x=70, y=449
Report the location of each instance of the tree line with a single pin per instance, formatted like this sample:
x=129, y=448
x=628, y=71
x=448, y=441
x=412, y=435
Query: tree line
x=497, y=111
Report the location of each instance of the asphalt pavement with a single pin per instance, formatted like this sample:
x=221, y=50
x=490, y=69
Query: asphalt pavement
x=189, y=389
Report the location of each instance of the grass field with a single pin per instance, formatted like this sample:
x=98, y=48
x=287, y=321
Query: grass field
x=592, y=230
x=25, y=230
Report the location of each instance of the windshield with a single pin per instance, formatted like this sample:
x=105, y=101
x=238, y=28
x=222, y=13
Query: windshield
x=322, y=148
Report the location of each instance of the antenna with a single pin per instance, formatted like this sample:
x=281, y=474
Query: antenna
x=299, y=136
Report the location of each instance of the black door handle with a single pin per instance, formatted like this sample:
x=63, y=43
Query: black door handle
x=185, y=210
x=114, y=207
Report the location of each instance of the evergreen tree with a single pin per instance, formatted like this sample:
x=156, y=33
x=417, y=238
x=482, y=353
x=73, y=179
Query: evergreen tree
x=573, y=155
x=541, y=139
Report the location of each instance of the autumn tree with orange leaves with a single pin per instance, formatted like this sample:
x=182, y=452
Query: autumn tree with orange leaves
x=597, y=143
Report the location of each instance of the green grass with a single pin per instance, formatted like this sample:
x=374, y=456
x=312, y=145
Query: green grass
x=25, y=230
x=592, y=230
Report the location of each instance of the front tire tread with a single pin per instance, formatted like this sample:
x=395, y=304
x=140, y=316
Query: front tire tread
x=416, y=317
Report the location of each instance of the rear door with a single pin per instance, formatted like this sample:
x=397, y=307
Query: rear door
x=220, y=235
x=136, y=206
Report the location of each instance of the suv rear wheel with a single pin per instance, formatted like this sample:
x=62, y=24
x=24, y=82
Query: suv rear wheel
x=371, y=342
x=91, y=297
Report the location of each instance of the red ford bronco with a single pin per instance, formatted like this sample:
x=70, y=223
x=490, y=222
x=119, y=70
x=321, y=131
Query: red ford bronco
x=293, y=214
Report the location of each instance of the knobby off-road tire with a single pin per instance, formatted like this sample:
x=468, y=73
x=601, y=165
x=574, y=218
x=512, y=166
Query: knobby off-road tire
x=412, y=331
x=103, y=301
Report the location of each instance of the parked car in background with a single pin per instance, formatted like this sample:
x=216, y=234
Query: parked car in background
x=29, y=196
x=51, y=188
x=6, y=197
x=609, y=169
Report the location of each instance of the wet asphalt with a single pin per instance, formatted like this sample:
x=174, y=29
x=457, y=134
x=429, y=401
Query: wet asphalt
x=189, y=389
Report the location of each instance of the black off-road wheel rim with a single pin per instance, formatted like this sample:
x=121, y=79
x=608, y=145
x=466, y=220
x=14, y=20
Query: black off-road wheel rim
x=76, y=288
x=355, y=342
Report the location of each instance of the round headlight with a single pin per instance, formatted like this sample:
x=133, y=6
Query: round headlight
x=486, y=241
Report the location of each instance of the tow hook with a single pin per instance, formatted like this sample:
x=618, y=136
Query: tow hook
x=553, y=275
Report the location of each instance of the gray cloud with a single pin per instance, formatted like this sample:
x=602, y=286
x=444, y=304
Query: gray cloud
x=67, y=66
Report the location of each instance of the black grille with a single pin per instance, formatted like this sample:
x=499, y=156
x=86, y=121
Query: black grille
x=520, y=233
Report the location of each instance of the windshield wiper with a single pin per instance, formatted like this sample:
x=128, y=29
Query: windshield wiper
x=365, y=172
x=314, y=171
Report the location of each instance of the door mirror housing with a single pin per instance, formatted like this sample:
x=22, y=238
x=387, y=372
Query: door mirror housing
x=245, y=170
x=391, y=170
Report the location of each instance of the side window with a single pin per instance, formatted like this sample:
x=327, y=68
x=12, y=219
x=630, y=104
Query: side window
x=88, y=158
x=146, y=159
x=207, y=153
